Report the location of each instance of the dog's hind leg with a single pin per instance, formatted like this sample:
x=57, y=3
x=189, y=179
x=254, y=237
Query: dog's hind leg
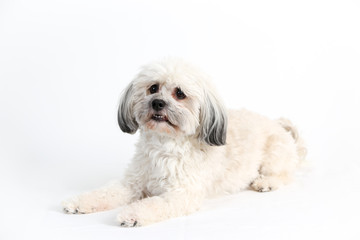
x=280, y=159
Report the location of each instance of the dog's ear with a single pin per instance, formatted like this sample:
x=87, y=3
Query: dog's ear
x=126, y=118
x=213, y=121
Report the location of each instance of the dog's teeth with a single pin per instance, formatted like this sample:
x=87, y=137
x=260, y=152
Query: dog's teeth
x=158, y=117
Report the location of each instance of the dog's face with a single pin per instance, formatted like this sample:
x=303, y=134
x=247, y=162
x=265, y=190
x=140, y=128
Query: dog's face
x=171, y=97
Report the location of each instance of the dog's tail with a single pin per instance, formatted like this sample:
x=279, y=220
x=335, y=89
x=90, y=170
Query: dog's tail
x=300, y=144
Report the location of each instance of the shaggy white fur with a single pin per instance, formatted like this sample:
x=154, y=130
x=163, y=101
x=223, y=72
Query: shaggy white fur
x=190, y=148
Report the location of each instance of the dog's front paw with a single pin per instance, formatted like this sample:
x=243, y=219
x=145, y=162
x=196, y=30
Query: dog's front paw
x=78, y=205
x=128, y=218
x=70, y=206
x=129, y=223
x=74, y=206
x=264, y=184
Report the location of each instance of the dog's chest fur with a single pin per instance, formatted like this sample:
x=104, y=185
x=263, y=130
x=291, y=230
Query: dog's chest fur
x=167, y=163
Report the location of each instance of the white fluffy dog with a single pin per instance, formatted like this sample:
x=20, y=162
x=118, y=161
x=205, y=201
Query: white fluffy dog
x=190, y=148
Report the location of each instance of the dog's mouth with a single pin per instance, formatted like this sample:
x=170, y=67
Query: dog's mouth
x=159, y=118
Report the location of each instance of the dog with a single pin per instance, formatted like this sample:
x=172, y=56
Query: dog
x=190, y=148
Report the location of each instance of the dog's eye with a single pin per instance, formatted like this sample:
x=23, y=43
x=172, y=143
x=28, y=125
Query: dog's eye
x=154, y=88
x=179, y=94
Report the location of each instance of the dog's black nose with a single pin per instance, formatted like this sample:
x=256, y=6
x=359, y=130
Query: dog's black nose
x=158, y=104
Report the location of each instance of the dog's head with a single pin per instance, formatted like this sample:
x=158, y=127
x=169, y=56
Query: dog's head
x=172, y=97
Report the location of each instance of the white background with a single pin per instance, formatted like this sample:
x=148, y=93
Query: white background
x=63, y=65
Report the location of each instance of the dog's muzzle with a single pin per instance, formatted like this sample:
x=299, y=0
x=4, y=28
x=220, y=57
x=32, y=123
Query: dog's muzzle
x=158, y=104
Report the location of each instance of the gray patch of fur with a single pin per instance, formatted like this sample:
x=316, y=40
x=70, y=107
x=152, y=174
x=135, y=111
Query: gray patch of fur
x=126, y=117
x=213, y=119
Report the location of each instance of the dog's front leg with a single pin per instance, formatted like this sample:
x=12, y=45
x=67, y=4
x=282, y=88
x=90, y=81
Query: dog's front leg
x=108, y=197
x=158, y=208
